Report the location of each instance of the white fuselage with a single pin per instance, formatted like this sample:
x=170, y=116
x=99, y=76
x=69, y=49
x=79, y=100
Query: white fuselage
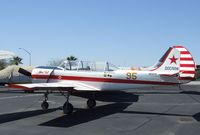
x=103, y=80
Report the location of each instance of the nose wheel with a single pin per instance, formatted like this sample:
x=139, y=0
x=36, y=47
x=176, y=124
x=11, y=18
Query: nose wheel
x=91, y=103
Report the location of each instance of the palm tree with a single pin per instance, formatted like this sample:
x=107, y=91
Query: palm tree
x=16, y=60
x=72, y=58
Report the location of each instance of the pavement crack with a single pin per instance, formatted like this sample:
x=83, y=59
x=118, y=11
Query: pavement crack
x=193, y=98
x=140, y=126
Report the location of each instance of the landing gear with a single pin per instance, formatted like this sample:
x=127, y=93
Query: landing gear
x=45, y=104
x=67, y=107
x=91, y=103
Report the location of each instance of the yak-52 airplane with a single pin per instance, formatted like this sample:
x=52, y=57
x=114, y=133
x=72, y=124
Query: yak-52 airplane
x=176, y=67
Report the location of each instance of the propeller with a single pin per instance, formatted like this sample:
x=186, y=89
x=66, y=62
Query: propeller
x=24, y=72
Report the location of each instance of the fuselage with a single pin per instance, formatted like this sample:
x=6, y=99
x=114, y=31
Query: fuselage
x=175, y=67
x=102, y=80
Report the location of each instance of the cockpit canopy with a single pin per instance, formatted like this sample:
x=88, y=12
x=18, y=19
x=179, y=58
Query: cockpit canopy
x=88, y=66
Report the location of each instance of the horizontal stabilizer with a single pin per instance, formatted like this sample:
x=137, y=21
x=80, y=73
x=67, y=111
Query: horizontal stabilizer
x=170, y=75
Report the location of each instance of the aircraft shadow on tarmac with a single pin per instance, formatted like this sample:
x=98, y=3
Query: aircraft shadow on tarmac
x=123, y=100
x=22, y=115
x=191, y=92
x=197, y=117
x=81, y=116
x=110, y=96
x=120, y=102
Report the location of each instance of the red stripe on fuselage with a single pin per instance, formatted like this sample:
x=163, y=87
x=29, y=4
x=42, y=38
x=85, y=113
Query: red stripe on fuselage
x=94, y=79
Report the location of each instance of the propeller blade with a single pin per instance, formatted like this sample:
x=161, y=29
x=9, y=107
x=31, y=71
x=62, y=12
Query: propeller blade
x=24, y=72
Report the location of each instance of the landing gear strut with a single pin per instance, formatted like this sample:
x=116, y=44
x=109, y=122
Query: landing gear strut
x=67, y=107
x=45, y=104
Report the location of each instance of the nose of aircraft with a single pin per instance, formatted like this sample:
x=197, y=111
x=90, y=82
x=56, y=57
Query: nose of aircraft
x=15, y=74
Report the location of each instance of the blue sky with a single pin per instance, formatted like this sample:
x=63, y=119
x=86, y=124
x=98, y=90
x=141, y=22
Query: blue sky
x=125, y=32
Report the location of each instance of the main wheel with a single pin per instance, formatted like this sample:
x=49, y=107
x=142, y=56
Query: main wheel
x=45, y=105
x=68, y=108
x=91, y=103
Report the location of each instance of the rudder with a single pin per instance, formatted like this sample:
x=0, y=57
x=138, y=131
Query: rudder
x=187, y=64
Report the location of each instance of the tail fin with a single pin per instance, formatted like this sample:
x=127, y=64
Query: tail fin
x=177, y=60
x=187, y=64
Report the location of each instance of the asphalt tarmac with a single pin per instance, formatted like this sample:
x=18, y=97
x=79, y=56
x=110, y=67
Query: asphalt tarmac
x=132, y=113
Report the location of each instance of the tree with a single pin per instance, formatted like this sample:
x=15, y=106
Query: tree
x=60, y=62
x=72, y=58
x=16, y=60
x=3, y=64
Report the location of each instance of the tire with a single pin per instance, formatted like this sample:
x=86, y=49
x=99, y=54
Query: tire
x=45, y=105
x=68, y=108
x=91, y=103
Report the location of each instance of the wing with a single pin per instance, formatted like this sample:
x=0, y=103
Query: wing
x=55, y=86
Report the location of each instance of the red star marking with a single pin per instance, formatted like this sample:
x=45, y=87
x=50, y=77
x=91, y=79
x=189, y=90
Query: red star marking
x=173, y=60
